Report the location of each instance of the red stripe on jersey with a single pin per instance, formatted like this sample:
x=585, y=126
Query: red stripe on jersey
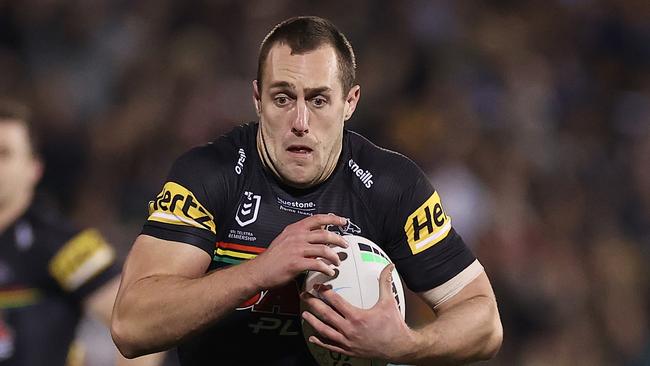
x=240, y=247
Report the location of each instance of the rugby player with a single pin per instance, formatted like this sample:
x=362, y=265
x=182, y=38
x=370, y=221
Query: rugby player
x=218, y=266
x=50, y=271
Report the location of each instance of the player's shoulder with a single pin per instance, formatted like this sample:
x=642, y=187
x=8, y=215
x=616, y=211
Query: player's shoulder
x=45, y=224
x=380, y=169
x=225, y=154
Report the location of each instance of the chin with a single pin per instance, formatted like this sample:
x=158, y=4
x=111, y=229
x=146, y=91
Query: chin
x=299, y=180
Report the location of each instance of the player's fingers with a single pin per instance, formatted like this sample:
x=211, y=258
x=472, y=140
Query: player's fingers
x=322, y=251
x=330, y=346
x=314, y=264
x=336, y=301
x=386, y=283
x=326, y=237
x=316, y=222
x=323, y=329
x=323, y=311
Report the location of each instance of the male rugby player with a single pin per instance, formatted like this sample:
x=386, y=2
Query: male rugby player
x=219, y=264
x=50, y=272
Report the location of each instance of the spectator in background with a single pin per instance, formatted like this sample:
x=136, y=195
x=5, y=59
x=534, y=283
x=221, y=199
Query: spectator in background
x=50, y=271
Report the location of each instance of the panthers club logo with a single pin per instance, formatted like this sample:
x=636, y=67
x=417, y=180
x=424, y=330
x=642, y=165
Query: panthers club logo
x=248, y=209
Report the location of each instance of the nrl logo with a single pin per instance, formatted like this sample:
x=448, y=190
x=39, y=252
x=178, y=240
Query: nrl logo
x=349, y=228
x=248, y=209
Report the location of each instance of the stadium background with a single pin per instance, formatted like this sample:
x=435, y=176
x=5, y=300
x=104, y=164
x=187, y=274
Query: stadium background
x=532, y=118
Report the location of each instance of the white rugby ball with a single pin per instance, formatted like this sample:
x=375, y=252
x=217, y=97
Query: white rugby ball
x=357, y=281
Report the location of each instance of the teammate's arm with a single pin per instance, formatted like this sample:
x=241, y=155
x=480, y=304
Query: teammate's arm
x=166, y=296
x=467, y=327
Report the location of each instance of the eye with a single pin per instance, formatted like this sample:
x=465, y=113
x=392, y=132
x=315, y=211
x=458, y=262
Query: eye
x=319, y=101
x=281, y=100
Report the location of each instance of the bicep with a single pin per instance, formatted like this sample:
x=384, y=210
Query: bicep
x=151, y=256
x=469, y=284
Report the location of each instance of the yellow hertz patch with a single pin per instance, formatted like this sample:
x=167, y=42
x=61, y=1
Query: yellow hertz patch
x=81, y=258
x=177, y=205
x=427, y=225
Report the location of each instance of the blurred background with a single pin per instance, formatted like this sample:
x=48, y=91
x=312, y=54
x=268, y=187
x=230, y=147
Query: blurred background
x=531, y=117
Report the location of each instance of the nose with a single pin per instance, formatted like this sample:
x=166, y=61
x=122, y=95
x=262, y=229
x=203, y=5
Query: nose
x=300, y=124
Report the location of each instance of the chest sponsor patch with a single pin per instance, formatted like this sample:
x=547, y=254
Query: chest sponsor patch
x=80, y=259
x=176, y=205
x=304, y=208
x=427, y=225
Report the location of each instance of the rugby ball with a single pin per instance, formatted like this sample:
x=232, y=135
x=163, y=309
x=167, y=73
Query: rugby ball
x=357, y=281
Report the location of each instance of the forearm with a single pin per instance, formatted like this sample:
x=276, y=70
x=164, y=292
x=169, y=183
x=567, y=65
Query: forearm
x=155, y=359
x=156, y=312
x=470, y=331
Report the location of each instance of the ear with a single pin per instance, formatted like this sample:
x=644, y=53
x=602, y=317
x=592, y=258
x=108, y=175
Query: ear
x=351, y=101
x=257, y=99
x=36, y=167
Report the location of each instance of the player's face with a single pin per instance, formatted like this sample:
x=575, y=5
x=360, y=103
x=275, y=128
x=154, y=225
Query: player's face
x=302, y=108
x=19, y=169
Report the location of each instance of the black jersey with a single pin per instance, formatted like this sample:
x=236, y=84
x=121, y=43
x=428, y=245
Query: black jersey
x=220, y=198
x=47, y=268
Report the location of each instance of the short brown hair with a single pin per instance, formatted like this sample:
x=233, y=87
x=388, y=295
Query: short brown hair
x=13, y=110
x=308, y=33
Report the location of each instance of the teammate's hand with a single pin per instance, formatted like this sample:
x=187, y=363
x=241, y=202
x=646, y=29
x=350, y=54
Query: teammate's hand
x=375, y=333
x=300, y=247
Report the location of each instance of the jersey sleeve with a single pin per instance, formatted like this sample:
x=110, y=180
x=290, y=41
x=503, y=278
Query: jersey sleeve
x=185, y=209
x=81, y=261
x=421, y=240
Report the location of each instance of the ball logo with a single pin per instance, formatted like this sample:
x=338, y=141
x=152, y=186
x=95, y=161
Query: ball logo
x=427, y=225
x=248, y=209
x=176, y=205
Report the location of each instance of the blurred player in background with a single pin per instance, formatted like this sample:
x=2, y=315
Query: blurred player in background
x=51, y=273
x=218, y=266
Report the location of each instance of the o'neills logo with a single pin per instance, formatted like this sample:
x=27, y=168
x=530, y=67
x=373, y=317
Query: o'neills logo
x=364, y=175
x=240, y=162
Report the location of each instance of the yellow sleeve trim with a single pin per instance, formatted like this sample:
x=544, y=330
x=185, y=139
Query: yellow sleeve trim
x=80, y=259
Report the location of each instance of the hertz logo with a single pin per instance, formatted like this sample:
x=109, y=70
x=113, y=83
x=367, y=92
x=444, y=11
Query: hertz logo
x=176, y=205
x=427, y=225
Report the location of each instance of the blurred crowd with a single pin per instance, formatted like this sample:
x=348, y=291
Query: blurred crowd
x=532, y=118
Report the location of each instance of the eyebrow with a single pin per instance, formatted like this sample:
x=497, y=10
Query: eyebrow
x=308, y=91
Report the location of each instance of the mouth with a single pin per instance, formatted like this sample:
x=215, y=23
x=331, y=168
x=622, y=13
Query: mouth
x=299, y=149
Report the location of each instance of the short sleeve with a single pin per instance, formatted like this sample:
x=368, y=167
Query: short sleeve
x=83, y=263
x=421, y=239
x=185, y=209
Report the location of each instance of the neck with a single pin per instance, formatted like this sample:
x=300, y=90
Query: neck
x=265, y=157
x=13, y=208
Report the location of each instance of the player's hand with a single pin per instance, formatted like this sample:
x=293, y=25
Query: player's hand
x=304, y=245
x=375, y=333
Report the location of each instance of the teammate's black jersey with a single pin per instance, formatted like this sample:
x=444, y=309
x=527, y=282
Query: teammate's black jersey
x=47, y=267
x=220, y=198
